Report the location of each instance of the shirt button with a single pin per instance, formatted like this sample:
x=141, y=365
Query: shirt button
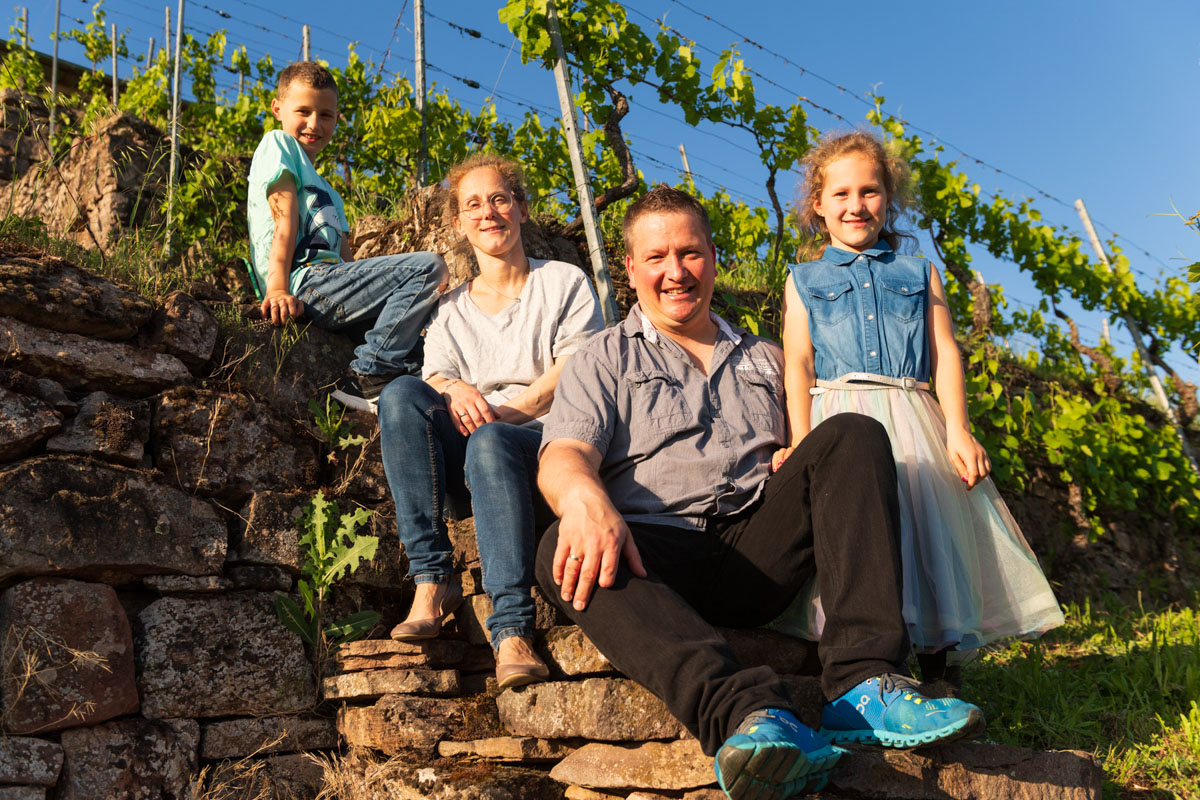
x=870, y=317
x=904, y=288
x=866, y=286
x=872, y=353
x=831, y=294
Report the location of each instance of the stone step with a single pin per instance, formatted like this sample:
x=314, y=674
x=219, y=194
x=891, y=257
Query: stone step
x=603, y=736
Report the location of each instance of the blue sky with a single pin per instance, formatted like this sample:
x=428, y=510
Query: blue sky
x=1082, y=99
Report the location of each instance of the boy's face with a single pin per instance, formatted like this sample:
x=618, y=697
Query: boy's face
x=307, y=115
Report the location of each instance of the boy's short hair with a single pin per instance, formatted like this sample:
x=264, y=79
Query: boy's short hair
x=309, y=73
x=663, y=199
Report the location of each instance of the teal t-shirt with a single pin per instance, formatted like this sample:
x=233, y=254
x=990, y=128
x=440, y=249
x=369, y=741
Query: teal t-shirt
x=322, y=215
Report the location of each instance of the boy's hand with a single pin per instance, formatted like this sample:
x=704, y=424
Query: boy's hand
x=281, y=305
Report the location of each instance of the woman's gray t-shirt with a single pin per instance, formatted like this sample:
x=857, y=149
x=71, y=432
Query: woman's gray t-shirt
x=502, y=354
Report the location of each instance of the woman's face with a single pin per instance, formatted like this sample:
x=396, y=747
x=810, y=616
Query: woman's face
x=488, y=214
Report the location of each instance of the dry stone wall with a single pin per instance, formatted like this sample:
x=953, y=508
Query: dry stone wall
x=154, y=468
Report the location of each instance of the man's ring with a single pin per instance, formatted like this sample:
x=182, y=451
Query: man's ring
x=574, y=557
x=463, y=415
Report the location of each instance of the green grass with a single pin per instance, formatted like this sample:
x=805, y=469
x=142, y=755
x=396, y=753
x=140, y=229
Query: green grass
x=1121, y=682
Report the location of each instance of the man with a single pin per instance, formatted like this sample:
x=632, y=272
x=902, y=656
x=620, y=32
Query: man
x=656, y=457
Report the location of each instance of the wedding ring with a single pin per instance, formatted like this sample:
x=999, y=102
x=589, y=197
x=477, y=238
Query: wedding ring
x=574, y=557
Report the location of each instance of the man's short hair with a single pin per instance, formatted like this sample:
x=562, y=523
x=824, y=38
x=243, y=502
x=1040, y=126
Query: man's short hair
x=308, y=73
x=663, y=199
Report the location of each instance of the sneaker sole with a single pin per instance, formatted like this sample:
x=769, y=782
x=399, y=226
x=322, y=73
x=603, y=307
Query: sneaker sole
x=773, y=771
x=355, y=402
x=967, y=728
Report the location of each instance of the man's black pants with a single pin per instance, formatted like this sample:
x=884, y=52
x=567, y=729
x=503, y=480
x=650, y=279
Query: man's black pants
x=831, y=510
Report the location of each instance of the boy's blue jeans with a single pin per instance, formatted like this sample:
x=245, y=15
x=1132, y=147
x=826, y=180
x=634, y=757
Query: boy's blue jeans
x=397, y=292
x=427, y=460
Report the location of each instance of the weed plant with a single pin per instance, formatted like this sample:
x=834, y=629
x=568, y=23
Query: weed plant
x=1121, y=682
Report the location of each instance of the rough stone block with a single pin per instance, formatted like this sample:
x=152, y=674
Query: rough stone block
x=236, y=738
x=80, y=362
x=567, y=648
x=378, y=682
x=415, y=780
x=49, y=392
x=509, y=748
x=227, y=445
x=186, y=584
x=260, y=579
x=47, y=625
x=270, y=532
x=376, y=654
x=34, y=762
x=65, y=514
x=652, y=765
x=606, y=709
x=50, y=292
x=400, y=723
x=107, y=428
x=183, y=327
x=240, y=660
x=25, y=422
x=968, y=770
x=133, y=758
x=22, y=793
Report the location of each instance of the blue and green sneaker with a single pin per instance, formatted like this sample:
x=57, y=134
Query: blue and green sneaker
x=889, y=710
x=771, y=756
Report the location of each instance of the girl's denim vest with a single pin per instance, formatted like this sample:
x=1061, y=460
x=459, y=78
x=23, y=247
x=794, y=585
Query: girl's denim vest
x=866, y=312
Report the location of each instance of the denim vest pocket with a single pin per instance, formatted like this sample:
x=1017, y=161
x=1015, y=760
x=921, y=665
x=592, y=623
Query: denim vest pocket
x=656, y=402
x=902, y=299
x=831, y=303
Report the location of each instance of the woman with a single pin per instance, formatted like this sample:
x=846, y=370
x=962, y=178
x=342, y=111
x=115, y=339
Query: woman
x=493, y=353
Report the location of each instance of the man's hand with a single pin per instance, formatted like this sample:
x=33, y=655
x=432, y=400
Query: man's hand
x=280, y=305
x=592, y=536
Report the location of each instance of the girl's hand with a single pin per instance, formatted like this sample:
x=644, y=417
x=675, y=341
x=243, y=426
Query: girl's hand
x=780, y=456
x=968, y=456
x=468, y=410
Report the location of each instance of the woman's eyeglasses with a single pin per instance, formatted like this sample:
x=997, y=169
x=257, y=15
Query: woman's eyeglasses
x=500, y=202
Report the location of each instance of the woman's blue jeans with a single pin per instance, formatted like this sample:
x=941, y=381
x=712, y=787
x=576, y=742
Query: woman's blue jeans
x=427, y=461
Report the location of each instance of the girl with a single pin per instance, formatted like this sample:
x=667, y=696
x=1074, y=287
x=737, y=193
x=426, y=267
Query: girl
x=864, y=331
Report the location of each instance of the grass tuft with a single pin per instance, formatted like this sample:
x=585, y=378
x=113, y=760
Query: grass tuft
x=1121, y=682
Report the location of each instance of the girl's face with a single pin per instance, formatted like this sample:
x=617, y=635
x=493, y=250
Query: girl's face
x=488, y=214
x=853, y=202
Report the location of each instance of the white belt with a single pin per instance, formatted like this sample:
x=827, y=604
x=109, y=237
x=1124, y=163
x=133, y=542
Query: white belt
x=859, y=381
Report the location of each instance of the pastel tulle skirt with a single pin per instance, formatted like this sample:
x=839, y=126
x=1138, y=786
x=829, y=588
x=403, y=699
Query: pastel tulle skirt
x=969, y=576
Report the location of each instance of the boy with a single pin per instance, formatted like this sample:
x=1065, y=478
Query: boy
x=302, y=259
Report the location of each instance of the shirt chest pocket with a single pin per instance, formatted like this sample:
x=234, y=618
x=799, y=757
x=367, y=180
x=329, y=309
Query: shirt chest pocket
x=831, y=303
x=656, y=401
x=761, y=396
x=903, y=300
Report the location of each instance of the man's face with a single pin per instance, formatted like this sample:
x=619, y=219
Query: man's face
x=307, y=115
x=672, y=266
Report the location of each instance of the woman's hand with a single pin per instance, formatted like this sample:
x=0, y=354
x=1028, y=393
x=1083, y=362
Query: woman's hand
x=968, y=456
x=780, y=456
x=468, y=410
